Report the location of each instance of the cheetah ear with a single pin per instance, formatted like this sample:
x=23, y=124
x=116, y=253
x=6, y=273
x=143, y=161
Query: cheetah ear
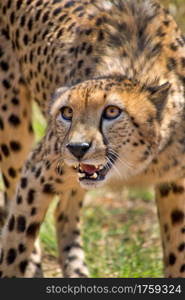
x=159, y=96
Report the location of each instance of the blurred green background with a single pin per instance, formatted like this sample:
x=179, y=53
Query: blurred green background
x=177, y=9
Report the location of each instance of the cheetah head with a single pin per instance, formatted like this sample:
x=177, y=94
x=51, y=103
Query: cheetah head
x=108, y=128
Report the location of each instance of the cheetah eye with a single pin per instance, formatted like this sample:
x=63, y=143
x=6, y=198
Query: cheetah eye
x=66, y=113
x=111, y=112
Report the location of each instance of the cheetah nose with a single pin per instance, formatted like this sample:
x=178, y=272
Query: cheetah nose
x=78, y=149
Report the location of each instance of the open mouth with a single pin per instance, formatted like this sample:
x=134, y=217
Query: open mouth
x=92, y=172
x=95, y=172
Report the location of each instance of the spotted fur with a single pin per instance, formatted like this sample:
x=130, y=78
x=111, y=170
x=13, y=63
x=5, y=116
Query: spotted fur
x=87, y=56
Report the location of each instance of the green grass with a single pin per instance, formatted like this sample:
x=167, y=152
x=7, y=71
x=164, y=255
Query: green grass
x=118, y=242
x=123, y=252
x=47, y=233
x=39, y=123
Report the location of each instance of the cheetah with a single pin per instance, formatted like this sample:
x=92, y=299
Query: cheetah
x=109, y=77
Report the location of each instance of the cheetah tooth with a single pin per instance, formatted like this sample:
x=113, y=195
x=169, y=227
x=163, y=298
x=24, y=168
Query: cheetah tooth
x=94, y=176
x=81, y=175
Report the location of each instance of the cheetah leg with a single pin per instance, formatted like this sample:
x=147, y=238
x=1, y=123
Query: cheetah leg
x=16, y=133
x=26, y=214
x=39, y=183
x=67, y=216
x=171, y=207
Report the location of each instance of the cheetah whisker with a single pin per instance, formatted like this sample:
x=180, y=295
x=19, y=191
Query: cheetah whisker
x=123, y=162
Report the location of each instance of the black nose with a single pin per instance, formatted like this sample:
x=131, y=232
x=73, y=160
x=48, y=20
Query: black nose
x=78, y=149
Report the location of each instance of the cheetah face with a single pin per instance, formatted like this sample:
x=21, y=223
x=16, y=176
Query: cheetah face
x=107, y=130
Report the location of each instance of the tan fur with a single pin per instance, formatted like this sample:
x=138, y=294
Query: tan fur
x=88, y=56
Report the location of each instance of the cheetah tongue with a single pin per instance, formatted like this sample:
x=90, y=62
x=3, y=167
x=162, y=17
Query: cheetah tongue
x=89, y=169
